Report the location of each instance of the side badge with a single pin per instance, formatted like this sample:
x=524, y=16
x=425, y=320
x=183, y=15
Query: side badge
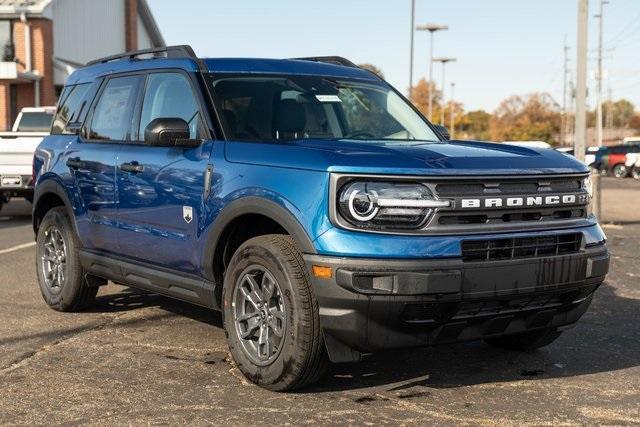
x=187, y=214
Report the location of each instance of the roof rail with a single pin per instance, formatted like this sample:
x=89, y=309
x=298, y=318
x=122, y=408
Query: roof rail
x=336, y=60
x=179, y=51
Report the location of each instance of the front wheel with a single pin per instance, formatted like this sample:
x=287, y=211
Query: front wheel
x=620, y=171
x=527, y=341
x=271, y=315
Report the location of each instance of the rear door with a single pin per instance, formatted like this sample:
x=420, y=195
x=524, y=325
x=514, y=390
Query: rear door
x=160, y=189
x=91, y=157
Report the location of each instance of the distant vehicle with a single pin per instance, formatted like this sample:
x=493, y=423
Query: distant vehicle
x=612, y=160
x=633, y=165
x=16, y=152
x=532, y=144
x=589, y=157
x=631, y=140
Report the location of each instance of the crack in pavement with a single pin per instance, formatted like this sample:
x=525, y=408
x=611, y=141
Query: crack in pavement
x=25, y=358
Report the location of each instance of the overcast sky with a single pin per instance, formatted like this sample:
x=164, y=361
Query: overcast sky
x=502, y=47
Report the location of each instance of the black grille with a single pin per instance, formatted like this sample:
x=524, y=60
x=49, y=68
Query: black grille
x=510, y=187
x=524, y=247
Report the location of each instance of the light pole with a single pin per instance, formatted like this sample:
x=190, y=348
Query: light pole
x=413, y=20
x=432, y=28
x=444, y=60
x=452, y=126
x=599, y=76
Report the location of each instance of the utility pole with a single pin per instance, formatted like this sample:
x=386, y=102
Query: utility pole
x=444, y=60
x=564, y=121
x=432, y=28
x=413, y=23
x=452, y=127
x=608, y=121
x=581, y=80
x=600, y=17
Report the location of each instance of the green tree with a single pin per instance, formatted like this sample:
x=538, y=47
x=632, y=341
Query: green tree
x=531, y=117
x=475, y=125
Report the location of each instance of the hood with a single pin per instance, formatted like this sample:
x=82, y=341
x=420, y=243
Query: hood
x=406, y=158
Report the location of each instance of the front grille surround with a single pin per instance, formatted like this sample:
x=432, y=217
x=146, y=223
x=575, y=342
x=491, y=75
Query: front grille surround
x=455, y=220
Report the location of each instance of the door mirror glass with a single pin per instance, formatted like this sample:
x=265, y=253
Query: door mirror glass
x=169, y=132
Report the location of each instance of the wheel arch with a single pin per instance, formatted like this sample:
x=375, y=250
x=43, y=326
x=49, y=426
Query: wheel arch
x=48, y=194
x=243, y=208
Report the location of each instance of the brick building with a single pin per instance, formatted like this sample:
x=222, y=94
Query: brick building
x=43, y=41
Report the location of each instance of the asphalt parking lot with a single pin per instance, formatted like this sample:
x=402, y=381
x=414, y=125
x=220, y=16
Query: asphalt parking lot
x=141, y=358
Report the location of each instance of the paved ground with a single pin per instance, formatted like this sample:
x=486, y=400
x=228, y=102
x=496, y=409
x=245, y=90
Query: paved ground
x=140, y=358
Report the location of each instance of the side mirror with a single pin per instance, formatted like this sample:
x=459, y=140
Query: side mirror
x=169, y=132
x=443, y=131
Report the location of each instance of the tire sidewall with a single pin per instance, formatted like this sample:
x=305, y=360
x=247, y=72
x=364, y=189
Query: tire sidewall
x=276, y=374
x=58, y=218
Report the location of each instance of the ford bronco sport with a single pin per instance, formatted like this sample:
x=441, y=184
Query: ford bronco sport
x=313, y=205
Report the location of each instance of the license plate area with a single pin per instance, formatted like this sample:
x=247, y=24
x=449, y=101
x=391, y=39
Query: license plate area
x=11, y=181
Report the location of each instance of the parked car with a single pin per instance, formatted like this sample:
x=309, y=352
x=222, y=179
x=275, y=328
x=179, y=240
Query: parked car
x=313, y=205
x=532, y=144
x=611, y=160
x=16, y=152
x=589, y=156
x=634, y=140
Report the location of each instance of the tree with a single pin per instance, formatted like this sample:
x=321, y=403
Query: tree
x=475, y=125
x=622, y=111
x=531, y=117
x=373, y=69
x=420, y=98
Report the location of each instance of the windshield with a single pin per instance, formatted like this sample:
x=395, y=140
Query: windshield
x=35, y=122
x=268, y=108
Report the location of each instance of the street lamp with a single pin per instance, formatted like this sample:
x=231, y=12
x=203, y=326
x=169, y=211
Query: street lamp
x=452, y=126
x=432, y=28
x=443, y=60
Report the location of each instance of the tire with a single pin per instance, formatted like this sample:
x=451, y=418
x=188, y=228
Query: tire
x=527, y=341
x=70, y=291
x=635, y=173
x=298, y=357
x=620, y=171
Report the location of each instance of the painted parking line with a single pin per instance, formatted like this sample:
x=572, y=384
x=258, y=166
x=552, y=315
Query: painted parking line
x=17, y=248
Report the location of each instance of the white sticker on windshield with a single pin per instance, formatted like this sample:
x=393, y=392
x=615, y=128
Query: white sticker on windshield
x=328, y=98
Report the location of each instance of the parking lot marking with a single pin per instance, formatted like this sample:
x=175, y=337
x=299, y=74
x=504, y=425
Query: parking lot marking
x=17, y=248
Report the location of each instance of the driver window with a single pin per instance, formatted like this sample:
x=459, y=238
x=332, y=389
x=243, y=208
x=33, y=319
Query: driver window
x=169, y=95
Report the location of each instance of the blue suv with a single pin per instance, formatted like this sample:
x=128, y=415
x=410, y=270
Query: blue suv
x=313, y=205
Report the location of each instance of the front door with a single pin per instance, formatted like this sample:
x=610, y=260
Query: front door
x=160, y=189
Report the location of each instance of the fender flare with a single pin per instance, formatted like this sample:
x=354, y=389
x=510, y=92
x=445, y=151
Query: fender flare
x=259, y=206
x=51, y=186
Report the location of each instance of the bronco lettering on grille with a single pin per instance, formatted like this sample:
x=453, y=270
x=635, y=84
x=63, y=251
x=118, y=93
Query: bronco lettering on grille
x=499, y=202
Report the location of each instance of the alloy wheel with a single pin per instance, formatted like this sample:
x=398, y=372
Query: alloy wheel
x=54, y=259
x=259, y=315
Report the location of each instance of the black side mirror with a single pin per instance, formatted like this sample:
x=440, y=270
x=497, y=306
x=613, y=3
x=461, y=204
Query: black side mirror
x=443, y=131
x=169, y=132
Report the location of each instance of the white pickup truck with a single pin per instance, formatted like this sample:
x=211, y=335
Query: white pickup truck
x=16, y=151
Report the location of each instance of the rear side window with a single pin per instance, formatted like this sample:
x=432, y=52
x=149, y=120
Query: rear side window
x=73, y=107
x=113, y=115
x=35, y=122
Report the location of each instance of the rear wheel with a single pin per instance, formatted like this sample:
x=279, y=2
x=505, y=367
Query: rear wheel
x=526, y=341
x=635, y=173
x=620, y=171
x=271, y=315
x=60, y=275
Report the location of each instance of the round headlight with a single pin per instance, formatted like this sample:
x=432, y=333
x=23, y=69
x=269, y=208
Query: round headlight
x=386, y=205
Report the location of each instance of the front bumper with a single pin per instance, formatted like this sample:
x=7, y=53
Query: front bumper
x=371, y=304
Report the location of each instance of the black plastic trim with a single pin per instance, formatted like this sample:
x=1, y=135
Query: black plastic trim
x=179, y=285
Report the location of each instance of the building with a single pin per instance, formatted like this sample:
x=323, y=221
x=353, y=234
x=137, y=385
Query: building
x=43, y=41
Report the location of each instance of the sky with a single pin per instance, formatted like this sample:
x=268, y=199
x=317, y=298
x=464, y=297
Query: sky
x=502, y=47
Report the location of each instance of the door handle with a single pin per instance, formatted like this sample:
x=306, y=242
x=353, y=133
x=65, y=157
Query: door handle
x=133, y=167
x=75, y=163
